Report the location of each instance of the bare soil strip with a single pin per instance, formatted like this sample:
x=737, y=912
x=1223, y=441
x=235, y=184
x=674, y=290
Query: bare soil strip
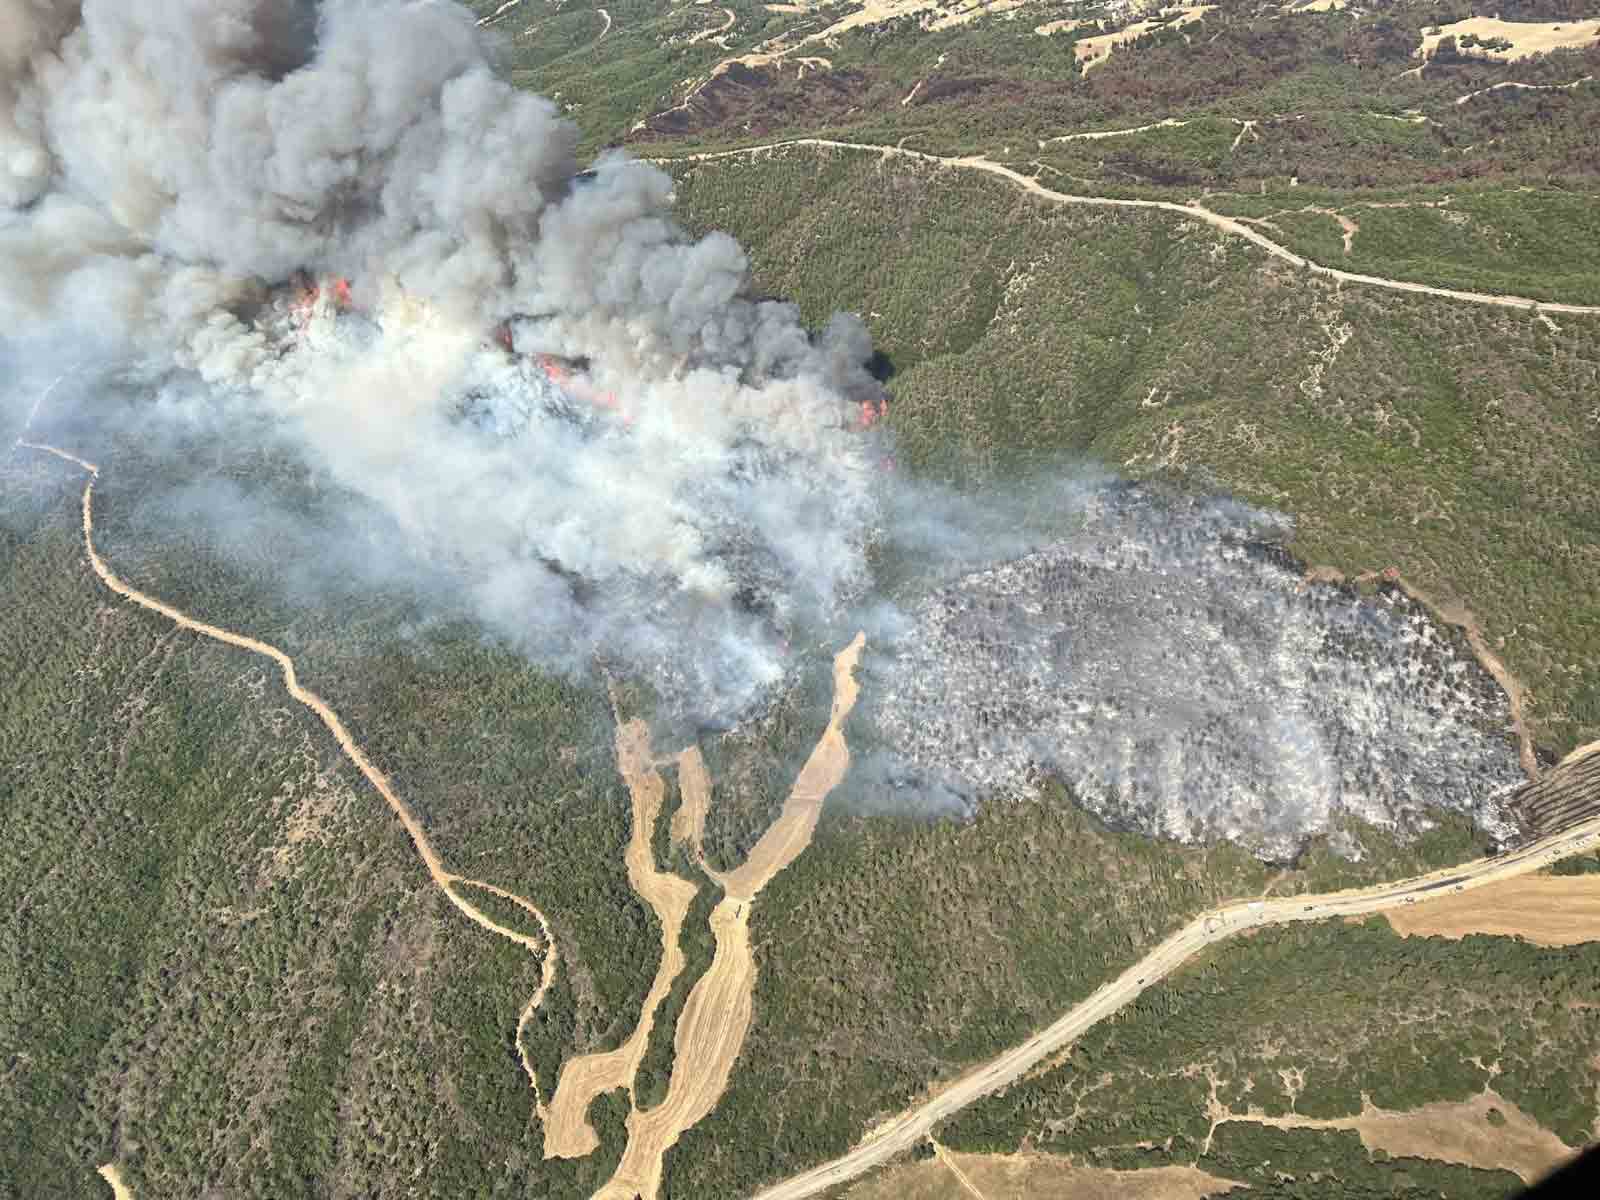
x=568, y=1133
x=1445, y=1131
x=1526, y=87
x=1548, y=910
x=715, y=1018
x=1192, y=211
x=542, y=947
x=689, y=822
x=1036, y=1177
x=113, y=1176
x=790, y=834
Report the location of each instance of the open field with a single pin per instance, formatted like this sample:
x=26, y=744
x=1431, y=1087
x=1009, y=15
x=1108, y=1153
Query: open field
x=1510, y=41
x=1546, y=910
x=1035, y=1176
x=1487, y=1132
x=1093, y=50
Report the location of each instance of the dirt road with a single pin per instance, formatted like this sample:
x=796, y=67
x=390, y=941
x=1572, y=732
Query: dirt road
x=905, y=1131
x=1192, y=211
x=568, y=1133
x=716, y=1016
x=450, y=884
x=113, y=1177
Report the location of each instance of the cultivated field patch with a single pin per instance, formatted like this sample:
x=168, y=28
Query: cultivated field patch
x=1546, y=910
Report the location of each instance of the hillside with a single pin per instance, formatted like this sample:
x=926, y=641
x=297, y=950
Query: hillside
x=230, y=970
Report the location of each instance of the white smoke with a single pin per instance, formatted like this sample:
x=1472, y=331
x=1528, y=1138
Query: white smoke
x=167, y=167
x=169, y=162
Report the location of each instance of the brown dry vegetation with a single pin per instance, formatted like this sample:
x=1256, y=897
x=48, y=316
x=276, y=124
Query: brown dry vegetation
x=1036, y=1177
x=1487, y=1132
x=1546, y=910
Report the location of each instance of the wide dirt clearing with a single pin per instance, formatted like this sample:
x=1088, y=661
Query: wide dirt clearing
x=1548, y=910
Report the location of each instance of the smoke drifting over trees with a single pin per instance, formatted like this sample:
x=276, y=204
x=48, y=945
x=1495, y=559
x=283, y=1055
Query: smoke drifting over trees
x=168, y=166
x=164, y=163
x=1168, y=666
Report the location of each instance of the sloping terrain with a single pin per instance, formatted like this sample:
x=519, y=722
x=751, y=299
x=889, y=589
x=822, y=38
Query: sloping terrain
x=1450, y=441
x=226, y=972
x=1235, y=1066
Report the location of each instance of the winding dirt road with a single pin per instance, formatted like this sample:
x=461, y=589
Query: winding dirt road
x=450, y=884
x=1193, y=211
x=906, y=1130
x=568, y=1133
x=716, y=1016
x=113, y=1177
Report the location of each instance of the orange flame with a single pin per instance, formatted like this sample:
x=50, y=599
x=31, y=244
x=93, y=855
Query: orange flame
x=871, y=413
x=561, y=375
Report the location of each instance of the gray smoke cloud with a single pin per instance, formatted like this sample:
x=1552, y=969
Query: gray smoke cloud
x=666, y=474
x=169, y=165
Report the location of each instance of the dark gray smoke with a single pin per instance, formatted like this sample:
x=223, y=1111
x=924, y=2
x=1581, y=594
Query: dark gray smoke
x=667, y=475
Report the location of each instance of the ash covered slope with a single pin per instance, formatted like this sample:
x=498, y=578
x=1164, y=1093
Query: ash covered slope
x=1184, y=681
x=165, y=164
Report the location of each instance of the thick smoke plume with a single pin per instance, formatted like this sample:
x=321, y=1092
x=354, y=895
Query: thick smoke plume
x=166, y=165
x=576, y=422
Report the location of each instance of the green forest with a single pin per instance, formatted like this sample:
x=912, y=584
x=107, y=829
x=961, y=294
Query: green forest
x=223, y=966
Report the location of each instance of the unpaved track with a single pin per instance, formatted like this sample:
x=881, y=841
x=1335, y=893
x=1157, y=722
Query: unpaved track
x=910, y=1127
x=113, y=1176
x=1525, y=87
x=568, y=1133
x=1098, y=134
x=447, y=882
x=1192, y=211
x=961, y=1176
x=689, y=822
x=716, y=1016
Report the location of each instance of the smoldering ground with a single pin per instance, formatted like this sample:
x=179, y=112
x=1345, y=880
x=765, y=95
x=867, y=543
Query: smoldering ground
x=704, y=505
x=1169, y=663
